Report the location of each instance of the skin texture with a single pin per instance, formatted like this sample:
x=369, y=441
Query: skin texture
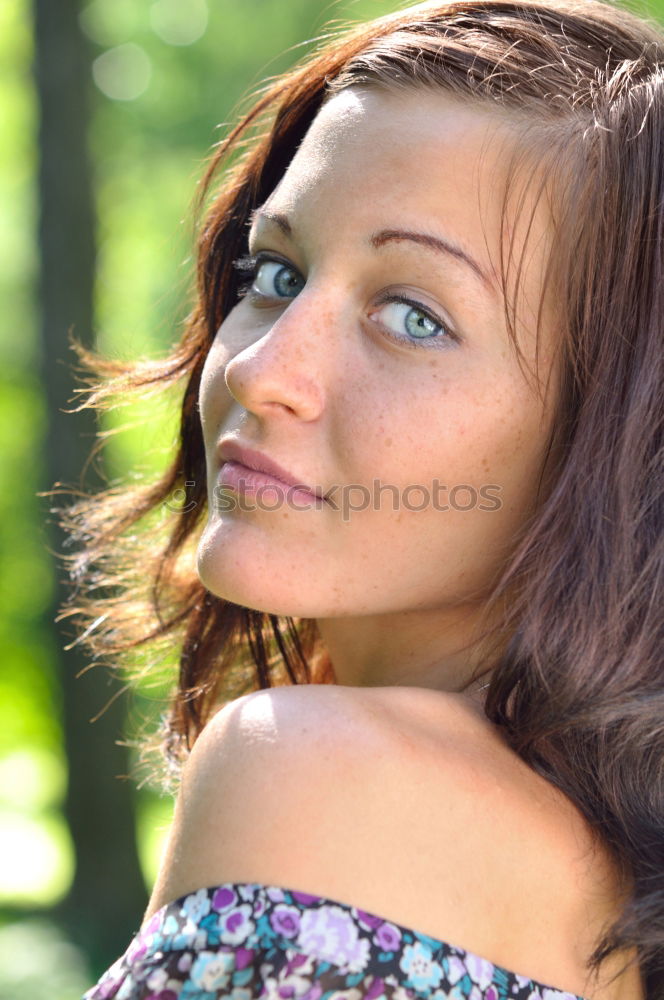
x=310, y=376
x=398, y=752
x=363, y=795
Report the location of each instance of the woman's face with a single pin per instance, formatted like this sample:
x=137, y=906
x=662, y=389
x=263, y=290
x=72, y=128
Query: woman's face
x=375, y=365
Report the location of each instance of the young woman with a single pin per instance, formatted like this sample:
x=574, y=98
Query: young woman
x=412, y=548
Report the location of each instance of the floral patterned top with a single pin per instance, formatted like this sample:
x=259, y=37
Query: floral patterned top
x=245, y=940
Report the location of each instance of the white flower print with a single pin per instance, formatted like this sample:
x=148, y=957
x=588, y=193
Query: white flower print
x=211, y=970
x=481, y=971
x=455, y=969
x=184, y=962
x=399, y=992
x=126, y=990
x=157, y=980
x=240, y=993
x=270, y=988
x=418, y=964
x=294, y=984
x=197, y=905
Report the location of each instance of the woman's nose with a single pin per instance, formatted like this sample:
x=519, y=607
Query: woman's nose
x=288, y=365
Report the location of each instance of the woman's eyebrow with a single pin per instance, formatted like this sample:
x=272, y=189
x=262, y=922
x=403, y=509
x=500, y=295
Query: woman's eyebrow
x=436, y=243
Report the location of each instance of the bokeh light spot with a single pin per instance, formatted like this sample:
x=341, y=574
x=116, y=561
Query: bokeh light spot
x=123, y=73
x=177, y=23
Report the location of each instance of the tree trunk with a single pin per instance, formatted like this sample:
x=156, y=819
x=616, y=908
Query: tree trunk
x=108, y=894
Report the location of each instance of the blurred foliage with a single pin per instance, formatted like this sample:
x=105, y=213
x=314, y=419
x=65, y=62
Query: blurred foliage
x=166, y=80
x=35, y=849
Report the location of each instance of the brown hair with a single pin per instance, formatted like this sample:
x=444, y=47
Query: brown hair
x=579, y=687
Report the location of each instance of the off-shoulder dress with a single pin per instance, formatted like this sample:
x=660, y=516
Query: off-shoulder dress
x=247, y=940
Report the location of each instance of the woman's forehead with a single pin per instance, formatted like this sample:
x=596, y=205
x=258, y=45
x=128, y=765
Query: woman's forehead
x=375, y=159
x=416, y=155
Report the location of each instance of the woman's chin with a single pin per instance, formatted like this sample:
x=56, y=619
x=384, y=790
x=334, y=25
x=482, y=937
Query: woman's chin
x=245, y=562
x=254, y=582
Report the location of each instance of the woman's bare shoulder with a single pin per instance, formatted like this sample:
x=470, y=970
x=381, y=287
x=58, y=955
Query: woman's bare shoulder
x=519, y=840
x=397, y=802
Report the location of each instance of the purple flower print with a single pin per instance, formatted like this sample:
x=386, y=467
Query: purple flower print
x=304, y=897
x=243, y=957
x=106, y=988
x=196, y=946
x=314, y=993
x=376, y=989
x=369, y=919
x=224, y=898
x=303, y=963
x=137, y=949
x=331, y=933
x=388, y=937
x=236, y=925
x=285, y=920
x=153, y=923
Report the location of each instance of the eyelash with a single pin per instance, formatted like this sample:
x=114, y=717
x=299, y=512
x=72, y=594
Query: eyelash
x=249, y=264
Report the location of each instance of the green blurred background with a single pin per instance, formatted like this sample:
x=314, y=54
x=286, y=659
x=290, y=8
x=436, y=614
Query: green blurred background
x=107, y=112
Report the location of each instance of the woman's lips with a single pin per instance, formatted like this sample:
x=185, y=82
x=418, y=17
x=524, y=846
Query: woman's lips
x=248, y=481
